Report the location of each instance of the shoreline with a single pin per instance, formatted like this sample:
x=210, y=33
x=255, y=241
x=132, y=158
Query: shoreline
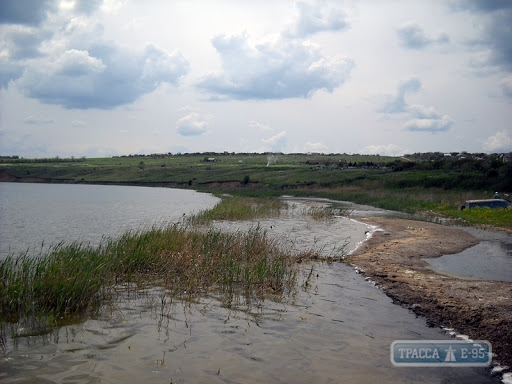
x=391, y=235
x=392, y=257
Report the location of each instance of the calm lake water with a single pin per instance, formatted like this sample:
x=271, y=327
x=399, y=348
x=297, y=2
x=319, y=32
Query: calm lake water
x=31, y=214
x=339, y=329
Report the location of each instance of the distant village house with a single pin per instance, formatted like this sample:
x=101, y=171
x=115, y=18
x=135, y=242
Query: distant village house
x=506, y=157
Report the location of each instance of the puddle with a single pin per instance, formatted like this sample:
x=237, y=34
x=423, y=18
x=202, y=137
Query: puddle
x=491, y=259
x=484, y=261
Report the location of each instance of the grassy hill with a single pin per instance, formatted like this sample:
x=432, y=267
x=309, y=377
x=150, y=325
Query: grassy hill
x=411, y=183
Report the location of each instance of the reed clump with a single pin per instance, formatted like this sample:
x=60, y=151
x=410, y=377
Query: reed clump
x=68, y=280
x=62, y=281
x=239, y=208
x=324, y=213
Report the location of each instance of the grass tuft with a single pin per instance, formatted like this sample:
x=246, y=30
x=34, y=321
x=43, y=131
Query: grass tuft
x=239, y=208
x=324, y=213
x=481, y=215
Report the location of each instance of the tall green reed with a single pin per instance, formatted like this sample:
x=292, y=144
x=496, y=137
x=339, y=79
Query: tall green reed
x=239, y=208
x=69, y=280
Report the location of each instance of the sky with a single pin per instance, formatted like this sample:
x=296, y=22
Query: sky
x=100, y=78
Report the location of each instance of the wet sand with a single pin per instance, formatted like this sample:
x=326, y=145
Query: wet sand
x=481, y=309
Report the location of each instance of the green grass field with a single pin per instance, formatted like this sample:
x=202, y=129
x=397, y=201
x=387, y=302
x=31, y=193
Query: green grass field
x=412, y=185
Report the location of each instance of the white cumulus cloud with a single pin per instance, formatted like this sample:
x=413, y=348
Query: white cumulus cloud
x=57, y=53
x=276, y=142
x=78, y=63
x=316, y=17
x=78, y=123
x=104, y=76
x=440, y=124
x=420, y=118
x=38, y=121
x=499, y=142
x=281, y=68
x=315, y=147
x=253, y=124
x=397, y=103
x=192, y=124
x=412, y=36
x=383, y=149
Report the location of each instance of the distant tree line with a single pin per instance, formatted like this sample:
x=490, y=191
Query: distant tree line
x=56, y=159
x=470, y=173
x=204, y=154
x=459, y=170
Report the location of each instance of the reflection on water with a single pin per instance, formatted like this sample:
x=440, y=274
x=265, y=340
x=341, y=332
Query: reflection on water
x=339, y=329
x=33, y=214
x=507, y=247
x=486, y=260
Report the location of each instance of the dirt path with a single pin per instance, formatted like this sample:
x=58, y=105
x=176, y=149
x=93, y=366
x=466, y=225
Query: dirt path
x=393, y=258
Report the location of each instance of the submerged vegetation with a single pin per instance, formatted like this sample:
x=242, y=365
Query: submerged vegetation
x=324, y=213
x=188, y=259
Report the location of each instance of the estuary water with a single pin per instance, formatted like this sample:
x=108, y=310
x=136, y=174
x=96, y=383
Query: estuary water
x=36, y=214
x=337, y=328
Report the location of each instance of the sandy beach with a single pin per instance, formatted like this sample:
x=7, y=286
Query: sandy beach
x=392, y=258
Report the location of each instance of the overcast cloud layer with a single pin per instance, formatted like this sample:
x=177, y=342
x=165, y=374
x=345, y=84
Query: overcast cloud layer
x=114, y=77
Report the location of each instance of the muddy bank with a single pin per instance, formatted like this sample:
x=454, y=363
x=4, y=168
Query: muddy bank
x=393, y=258
x=6, y=177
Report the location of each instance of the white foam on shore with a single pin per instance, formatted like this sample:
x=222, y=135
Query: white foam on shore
x=507, y=378
x=370, y=229
x=497, y=369
x=338, y=236
x=369, y=234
